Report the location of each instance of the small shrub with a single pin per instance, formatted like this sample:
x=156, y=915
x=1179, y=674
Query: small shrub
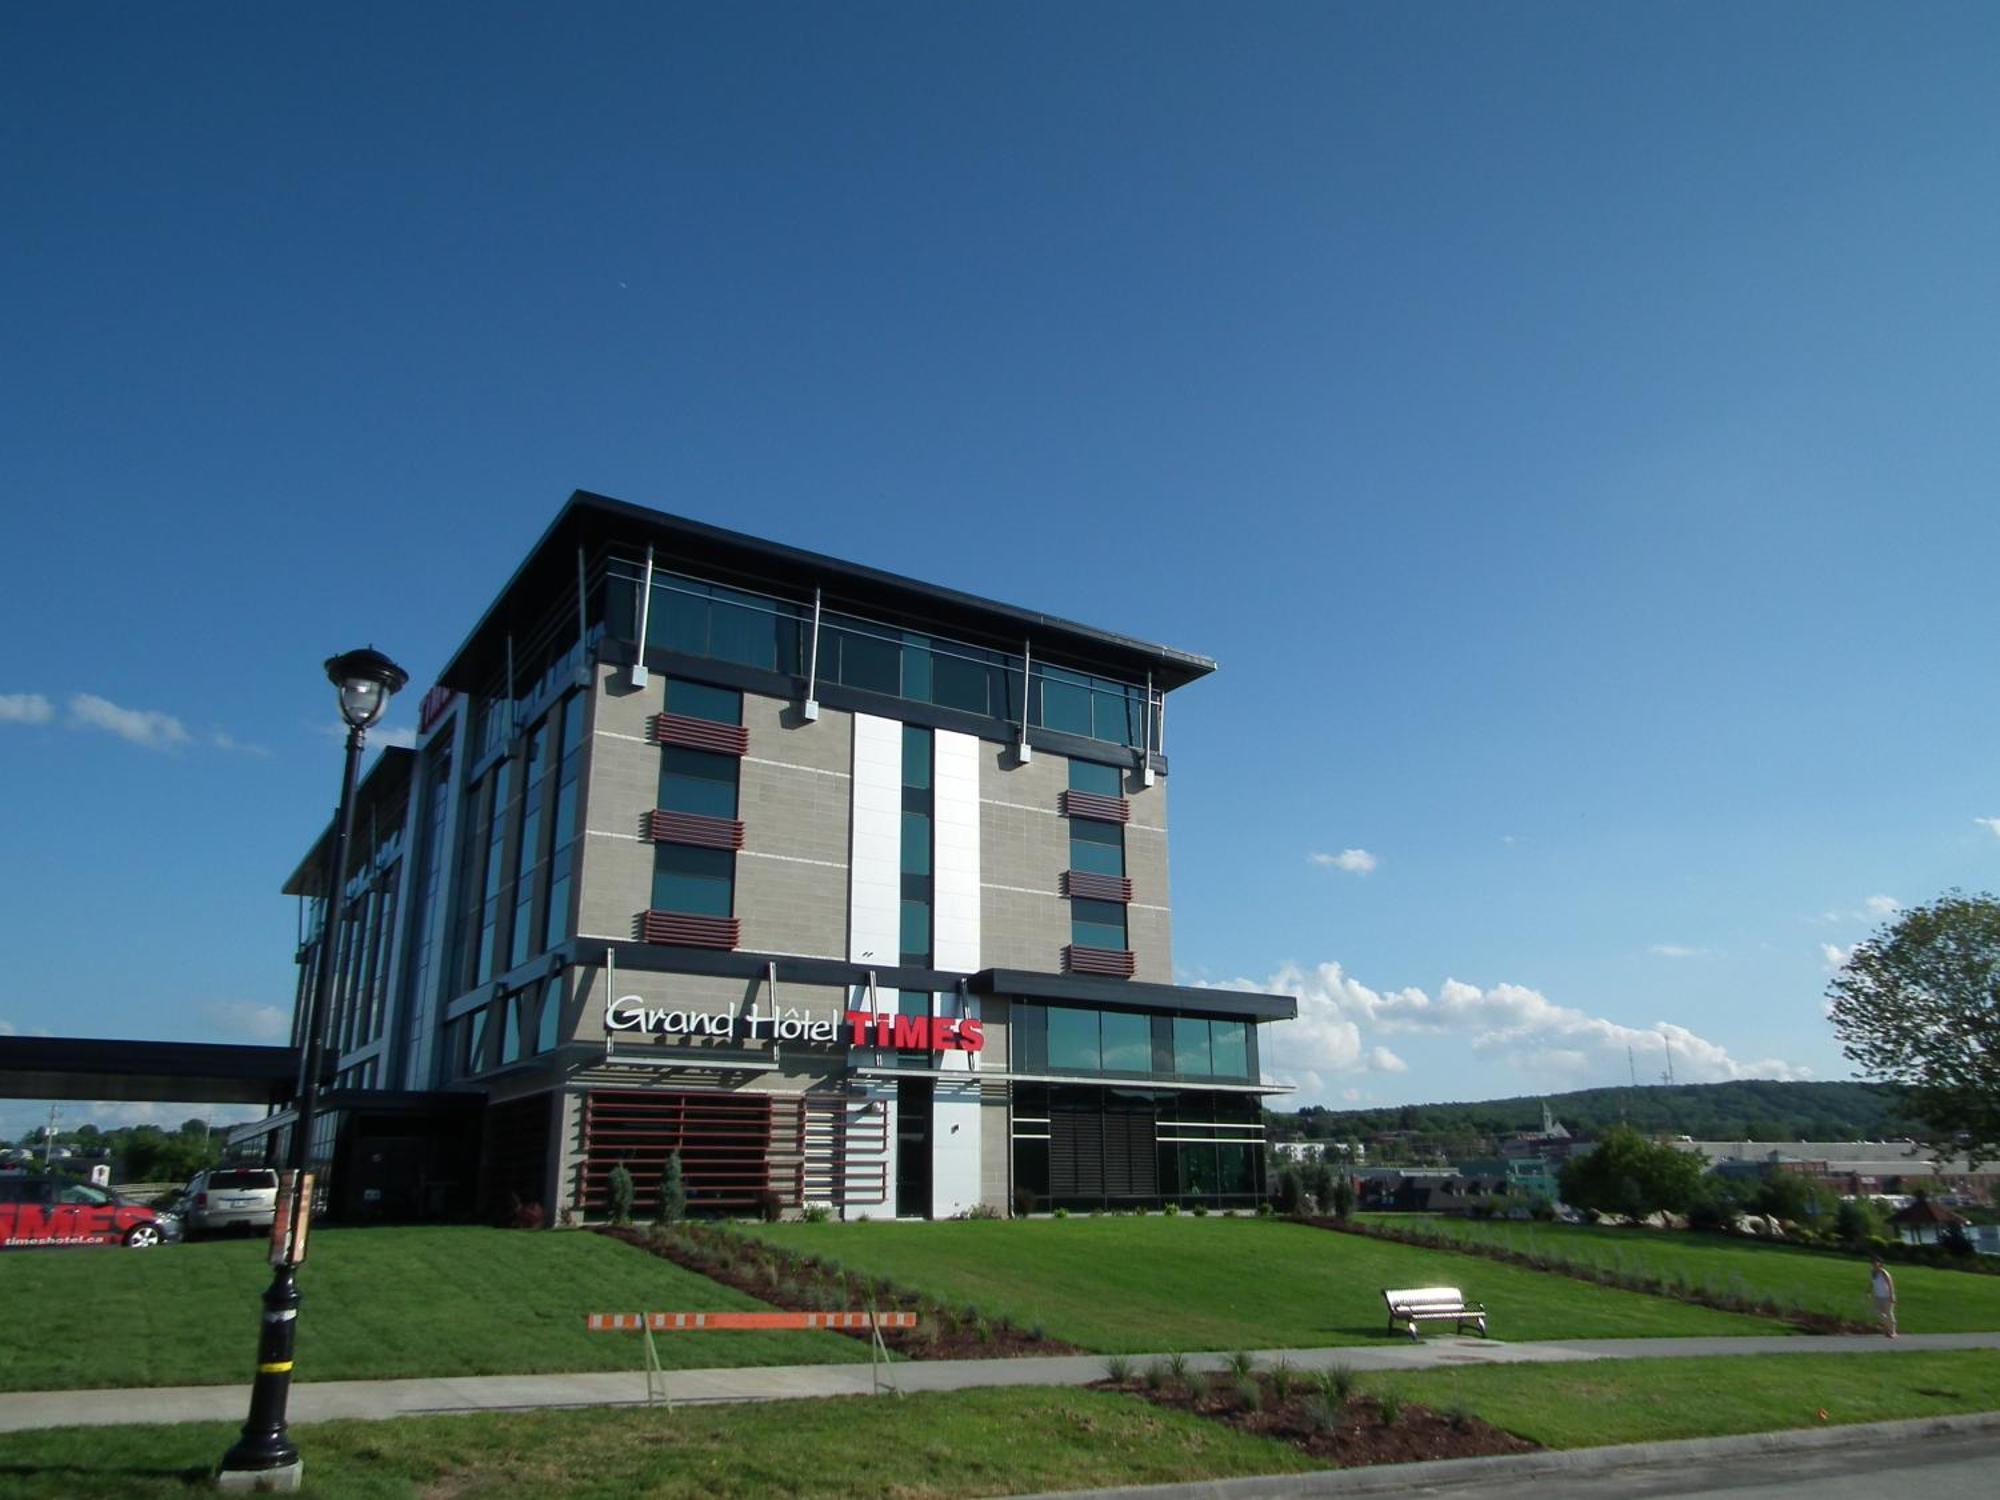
x=1177, y=1366
x=983, y=1331
x=618, y=1192
x=1197, y=1385
x=1061, y=1213
x=1249, y=1393
x=1459, y=1415
x=1390, y=1405
x=522, y=1215
x=1156, y=1377
x=1038, y=1332
x=1201, y=1210
x=1337, y=1381
x=1118, y=1369
x=1322, y=1413
x=817, y=1213
x=1172, y=1210
x=770, y=1207
x=1024, y=1202
x=1241, y=1362
x=673, y=1192
x=1265, y=1211
x=1283, y=1379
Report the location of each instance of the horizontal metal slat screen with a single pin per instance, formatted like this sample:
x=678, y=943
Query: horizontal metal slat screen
x=1091, y=805
x=700, y=734
x=696, y=829
x=1096, y=887
x=724, y=1143
x=685, y=931
x=1113, y=963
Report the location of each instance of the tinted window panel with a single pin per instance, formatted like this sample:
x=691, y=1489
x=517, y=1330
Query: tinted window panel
x=1191, y=1055
x=1128, y=1042
x=695, y=881
x=1099, y=780
x=1073, y=1040
x=697, y=781
x=957, y=683
x=746, y=635
x=1097, y=848
x=917, y=750
x=871, y=664
x=697, y=700
x=1065, y=706
x=1230, y=1048
x=1097, y=924
x=916, y=844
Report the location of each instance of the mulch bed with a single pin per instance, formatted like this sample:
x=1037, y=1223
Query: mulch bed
x=801, y=1283
x=1348, y=1435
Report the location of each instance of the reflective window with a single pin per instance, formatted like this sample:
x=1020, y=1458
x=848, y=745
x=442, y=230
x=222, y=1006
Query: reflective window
x=548, y=1026
x=1229, y=1043
x=510, y=1029
x=1097, y=924
x=1191, y=1054
x=916, y=934
x=1128, y=1042
x=1096, y=847
x=1100, y=780
x=698, y=781
x=697, y=700
x=698, y=882
x=1073, y=1040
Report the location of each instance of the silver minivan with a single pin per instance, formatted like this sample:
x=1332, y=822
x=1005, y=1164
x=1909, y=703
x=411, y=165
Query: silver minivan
x=231, y=1198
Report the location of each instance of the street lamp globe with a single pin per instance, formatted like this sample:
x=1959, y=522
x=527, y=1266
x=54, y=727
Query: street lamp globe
x=365, y=680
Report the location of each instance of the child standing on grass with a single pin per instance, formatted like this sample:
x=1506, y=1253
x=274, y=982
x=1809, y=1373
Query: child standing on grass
x=1883, y=1286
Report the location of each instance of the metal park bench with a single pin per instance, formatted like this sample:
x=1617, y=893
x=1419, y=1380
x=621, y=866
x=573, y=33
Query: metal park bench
x=650, y=1323
x=1433, y=1304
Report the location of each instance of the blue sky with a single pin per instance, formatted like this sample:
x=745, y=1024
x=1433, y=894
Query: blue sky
x=1570, y=426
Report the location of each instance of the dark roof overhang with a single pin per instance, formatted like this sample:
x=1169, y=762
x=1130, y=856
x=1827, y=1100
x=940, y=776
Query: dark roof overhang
x=1130, y=994
x=711, y=552
x=63, y=1067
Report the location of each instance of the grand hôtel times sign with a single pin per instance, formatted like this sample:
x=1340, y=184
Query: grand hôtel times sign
x=856, y=1028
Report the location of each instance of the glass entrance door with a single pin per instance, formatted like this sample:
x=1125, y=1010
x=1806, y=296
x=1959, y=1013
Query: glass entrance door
x=913, y=1148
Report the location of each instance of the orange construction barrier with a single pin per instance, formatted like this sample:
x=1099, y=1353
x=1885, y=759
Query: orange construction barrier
x=681, y=1322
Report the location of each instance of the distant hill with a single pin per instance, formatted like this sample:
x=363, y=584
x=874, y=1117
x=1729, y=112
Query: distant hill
x=1750, y=1109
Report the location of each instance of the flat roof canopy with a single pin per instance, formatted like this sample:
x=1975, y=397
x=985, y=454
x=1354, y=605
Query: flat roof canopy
x=65, y=1067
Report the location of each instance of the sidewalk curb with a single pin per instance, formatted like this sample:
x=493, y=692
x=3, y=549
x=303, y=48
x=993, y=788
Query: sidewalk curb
x=1451, y=1473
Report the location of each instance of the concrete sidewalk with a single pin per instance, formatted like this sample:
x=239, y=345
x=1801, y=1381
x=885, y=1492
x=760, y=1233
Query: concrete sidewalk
x=331, y=1400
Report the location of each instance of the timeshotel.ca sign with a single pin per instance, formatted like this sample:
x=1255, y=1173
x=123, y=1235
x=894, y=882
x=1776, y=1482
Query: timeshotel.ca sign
x=856, y=1028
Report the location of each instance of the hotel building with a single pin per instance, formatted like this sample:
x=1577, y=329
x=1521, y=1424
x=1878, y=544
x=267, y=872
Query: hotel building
x=849, y=889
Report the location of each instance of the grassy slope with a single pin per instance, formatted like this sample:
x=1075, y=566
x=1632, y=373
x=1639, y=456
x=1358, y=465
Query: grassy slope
x=1927, y=1300
x=966, y=1443
x=376, y=1303
x=1139, y=1284
x=1636, y=1401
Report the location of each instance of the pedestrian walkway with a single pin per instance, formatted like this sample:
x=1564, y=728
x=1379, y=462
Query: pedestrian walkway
x=332, y=1400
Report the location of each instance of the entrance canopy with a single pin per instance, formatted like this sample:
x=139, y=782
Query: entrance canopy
x=62, y=1067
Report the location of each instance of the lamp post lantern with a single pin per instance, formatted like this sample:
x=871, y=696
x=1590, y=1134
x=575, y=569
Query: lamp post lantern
x=264, y=1458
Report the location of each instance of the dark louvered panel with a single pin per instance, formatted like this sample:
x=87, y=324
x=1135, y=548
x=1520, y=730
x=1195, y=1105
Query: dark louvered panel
x=685, y=931
x=1131, y=1155
x=1096, y=887
x=1091, y=805
x=723, y=1140
x=694, y=828
x=1113, y=963
x=700, y=734
x=1076, y=1153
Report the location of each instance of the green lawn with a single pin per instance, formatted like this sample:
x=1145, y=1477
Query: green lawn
x=994, y=1442
x=377, y=1303
x=1928, y=1300
x=1651, y=1400
x=1144, y=1284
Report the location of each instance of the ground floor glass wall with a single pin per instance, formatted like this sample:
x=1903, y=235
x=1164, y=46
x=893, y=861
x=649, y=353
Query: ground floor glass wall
x=1082, y=1147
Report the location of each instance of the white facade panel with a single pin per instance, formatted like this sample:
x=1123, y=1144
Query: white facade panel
x=875, y=867
x=954, y=1148
x=955, y=834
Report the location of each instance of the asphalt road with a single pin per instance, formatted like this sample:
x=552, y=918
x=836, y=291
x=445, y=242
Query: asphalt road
x=1961, y=1464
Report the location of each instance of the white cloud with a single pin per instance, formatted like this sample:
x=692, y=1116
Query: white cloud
x=223, y=741
x=142, y=726
x=1355, y=861
x=1991, y=825
x=25, y=708
x=6, y=1028
x=1834, y=955
x=242, y=1020
x=1677, y=950
x=1340, y=1018
x=1881, y=906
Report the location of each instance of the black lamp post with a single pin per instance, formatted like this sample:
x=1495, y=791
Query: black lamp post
x=264, y=1458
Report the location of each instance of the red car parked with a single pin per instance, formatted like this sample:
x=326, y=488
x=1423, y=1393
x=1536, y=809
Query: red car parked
x=36, y=1211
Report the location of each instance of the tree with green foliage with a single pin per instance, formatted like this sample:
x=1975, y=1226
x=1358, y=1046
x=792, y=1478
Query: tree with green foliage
x=1627, y=1174
x=618, y=1190
x=1343, y=1197
x=673, y=1192
x=1918, y=1005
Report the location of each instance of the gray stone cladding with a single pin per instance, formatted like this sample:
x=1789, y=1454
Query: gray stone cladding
x=796, y=794
x=1024, y=848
